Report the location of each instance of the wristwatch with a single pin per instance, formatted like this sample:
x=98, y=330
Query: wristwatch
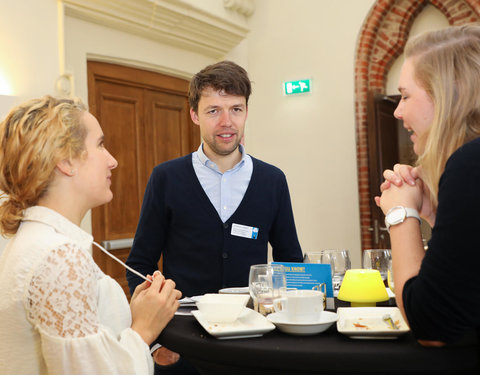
x=398, y=214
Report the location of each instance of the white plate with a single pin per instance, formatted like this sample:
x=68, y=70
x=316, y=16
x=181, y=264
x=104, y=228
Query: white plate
x=189, y=301
x=249, y=324
x=327, y=318
x=367, y=322
x=187, y=304
x=237, y=290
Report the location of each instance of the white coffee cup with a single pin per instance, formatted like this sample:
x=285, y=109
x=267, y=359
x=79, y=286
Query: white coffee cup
x=301, y=305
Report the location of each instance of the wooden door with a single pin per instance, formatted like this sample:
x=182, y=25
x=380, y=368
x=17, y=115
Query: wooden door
x=383, y=153
x=146, y=121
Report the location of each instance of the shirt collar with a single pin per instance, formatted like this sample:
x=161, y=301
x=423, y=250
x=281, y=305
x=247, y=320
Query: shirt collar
x=59, y=223
x=207, y=162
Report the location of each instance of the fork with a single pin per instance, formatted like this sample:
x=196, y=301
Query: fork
x=388, y=319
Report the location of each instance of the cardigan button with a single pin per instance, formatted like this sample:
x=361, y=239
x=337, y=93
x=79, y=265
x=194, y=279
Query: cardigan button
x=224, y=255
x=225, y=225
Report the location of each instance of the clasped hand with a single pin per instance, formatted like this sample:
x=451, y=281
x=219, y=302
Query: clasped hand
x=403, y=186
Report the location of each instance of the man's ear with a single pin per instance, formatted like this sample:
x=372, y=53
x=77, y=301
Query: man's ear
x=194, y=117
x=65, y=166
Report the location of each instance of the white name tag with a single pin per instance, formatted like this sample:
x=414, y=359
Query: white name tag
x=244, y=231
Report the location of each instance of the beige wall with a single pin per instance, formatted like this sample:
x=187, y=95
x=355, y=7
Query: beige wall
x=430, y=18
x=28, y=47
x=311, y=137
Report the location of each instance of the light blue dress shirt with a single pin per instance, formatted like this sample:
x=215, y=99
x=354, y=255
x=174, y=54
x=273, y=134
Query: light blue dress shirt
x=226, y=190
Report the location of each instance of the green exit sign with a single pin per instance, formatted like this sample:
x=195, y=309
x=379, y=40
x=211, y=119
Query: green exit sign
x=301, y=86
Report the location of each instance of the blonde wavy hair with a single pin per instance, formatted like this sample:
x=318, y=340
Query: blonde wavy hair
x=34, y=137
x=447, y=65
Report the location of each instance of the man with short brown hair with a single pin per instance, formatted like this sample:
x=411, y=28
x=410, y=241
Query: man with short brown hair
x=212, y=213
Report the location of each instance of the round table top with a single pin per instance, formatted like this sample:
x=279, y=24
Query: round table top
x=330, y=351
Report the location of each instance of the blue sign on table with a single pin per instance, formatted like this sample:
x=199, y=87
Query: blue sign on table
x=308, y=275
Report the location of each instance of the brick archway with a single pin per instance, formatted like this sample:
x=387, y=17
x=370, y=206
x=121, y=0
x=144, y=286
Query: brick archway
x=382, y=39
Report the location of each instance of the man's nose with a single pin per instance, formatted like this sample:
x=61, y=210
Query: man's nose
x=225, y=119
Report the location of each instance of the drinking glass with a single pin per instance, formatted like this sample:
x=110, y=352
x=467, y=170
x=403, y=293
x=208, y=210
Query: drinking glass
x=312, y=257
x=339, y=261
x=266, y=283
x=377, y=259
x=390, y=276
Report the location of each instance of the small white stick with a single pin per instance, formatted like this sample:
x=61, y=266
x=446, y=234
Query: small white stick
x=119, y=261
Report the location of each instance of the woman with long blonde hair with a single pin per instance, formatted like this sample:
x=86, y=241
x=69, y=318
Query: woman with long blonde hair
x=60, y=314
x=438, y=291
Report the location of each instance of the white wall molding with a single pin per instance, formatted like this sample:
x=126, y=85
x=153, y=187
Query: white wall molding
x=140, y=65
x=244, y=7
x=171, y=22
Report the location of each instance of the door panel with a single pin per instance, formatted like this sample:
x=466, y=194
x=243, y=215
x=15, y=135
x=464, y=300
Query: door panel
x=145, y=119
x=121, y=118
x=383, y=153
x=169, y=133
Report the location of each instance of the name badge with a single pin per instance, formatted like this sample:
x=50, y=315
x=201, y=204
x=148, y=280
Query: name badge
x=244, y=231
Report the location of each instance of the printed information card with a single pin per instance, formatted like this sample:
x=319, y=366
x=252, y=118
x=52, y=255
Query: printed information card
x=309, y=276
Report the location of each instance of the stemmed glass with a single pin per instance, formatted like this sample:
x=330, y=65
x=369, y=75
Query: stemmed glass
x=339, y=261
x=377, y=259
x=266, y=283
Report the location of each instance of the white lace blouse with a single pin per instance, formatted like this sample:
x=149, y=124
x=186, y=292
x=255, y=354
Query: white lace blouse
x=59, y=313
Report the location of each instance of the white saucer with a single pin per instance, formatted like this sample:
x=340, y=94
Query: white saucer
x=327, y=318
x=249, y=324
x=237, y=290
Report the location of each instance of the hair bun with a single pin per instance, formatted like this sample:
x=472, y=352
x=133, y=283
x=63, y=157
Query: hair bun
x=11, y=214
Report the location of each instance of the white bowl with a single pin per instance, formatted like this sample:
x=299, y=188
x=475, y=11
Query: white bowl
x=222, y=308
x=281, y=321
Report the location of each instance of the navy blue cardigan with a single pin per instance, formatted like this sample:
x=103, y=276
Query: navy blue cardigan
x=199, y=252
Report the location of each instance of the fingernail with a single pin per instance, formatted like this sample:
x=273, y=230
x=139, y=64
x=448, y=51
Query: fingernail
x=157, y=273
x=411, y=182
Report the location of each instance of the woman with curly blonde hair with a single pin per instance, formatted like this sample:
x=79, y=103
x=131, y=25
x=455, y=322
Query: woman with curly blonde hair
x=60, y=313
x=438, y=291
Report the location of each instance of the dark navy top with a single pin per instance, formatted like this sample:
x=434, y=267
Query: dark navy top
x=199, y=252
x=443, y=301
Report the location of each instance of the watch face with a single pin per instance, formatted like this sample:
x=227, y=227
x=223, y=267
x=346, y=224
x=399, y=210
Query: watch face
x=396, y=216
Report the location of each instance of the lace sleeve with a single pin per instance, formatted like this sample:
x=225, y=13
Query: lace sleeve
x=62, y=295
